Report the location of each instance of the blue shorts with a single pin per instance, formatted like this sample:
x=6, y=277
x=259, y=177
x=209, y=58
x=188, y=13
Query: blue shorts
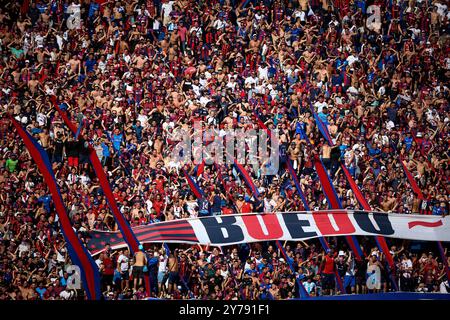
x=203, y=213
x=349, y=281
x=161, y=276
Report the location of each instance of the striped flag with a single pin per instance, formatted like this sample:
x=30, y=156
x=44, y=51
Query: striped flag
x=247, y=178
x=78, y=253
x=195, y=188
x=333, y=200
x=122, y=223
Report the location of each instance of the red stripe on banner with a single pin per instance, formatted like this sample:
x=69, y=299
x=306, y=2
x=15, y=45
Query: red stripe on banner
x=72, y=238
x=412, y=182
x=263, y=125
x=174, y=233
x=201, y=168
x=123, y=224
x=333, y=200
x=358, y=194
x=363, y=202
x=413, y=224
x=68, y=123
x=326, y=185
x=169, y=238
x=171, y=227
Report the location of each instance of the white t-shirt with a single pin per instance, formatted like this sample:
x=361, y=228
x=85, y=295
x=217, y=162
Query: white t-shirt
x=143, y=119
x=351, y=59
x=191, y=205
x=162, y=264
x=41, y=119
x=123, y=261
x=263, y=73
x=269, y=205
x=167, y=8
x=319, y=105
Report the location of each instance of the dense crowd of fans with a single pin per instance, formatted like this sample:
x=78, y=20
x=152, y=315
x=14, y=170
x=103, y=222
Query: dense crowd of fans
x=134, y=72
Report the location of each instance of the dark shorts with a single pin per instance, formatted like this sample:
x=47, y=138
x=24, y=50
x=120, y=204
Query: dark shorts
x=173, y=277
x=360, y=281
x=84, y=159
x=107, y=279
x=124, y=275
x=57, y=158
x=138, y=272
x=328, y=281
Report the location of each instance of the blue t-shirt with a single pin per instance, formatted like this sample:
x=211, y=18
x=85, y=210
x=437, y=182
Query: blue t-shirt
x=438, y=210
x=300, y=128
x=36, y=130
x=90, y=64
x=251, y=272
x=138, y=130
x=408, y=142
x=217, y=204
x=41, y=292
x=323, y=117
x=117, y=140
x=46, y=200
x=106, y=152
x=262, y=266
x=92, y=8
x=203, y=206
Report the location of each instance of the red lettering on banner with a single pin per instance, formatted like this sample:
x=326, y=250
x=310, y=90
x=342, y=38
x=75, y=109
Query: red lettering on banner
x=342, y=221
x=255, y=230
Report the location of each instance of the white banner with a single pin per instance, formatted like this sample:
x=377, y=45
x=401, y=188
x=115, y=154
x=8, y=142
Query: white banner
x=245, y=228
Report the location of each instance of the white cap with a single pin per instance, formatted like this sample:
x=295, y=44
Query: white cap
x=341, y=253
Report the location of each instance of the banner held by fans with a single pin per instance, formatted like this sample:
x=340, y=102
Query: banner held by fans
x=254, y=227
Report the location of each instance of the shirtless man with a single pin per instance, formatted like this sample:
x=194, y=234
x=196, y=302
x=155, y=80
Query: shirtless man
x=173, y=270
x=389, y=203
x=75, y=64
x=254, y=45
x=22, y=24
x=140, y=260
x=140, y=60
x=44, y=138
x=326, y=155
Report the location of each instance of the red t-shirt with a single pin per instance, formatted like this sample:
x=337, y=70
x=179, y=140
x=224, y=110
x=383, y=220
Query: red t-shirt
x=109, y=267
x=329, y=265
x=246, y=208
x=226, y=210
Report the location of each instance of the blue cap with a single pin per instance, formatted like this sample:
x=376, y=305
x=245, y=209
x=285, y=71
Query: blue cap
x=141, y=247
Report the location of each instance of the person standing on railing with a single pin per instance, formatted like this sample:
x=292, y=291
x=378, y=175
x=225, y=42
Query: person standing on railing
x=328, y=273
